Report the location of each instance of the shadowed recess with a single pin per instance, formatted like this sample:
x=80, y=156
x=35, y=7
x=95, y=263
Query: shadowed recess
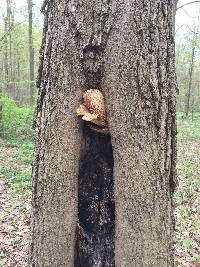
x=96, y=210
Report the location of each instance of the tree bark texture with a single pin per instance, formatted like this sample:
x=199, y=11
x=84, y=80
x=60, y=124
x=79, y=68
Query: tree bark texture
x=125, y=49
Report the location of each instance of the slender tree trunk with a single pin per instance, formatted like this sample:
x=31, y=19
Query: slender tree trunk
x=31, y=50
x=126, y=50
x=10, y=22
x=174, y=14
x=10, y=55
x=1, y=114
x=193, y=93
x=8, y=47
x=18, y=67
x=6, y=66
x=198, y=96
x=188, y=95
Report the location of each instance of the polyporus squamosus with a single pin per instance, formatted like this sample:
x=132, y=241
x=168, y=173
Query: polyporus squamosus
x=93, y=110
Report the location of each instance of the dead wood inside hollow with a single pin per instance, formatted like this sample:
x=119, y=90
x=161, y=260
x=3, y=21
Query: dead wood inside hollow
x=96, y=210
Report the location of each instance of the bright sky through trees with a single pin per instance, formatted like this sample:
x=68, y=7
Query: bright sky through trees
x=186, y=16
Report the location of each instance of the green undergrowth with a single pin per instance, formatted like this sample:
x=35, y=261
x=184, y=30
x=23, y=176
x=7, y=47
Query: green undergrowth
x=16, y=122
x=188, y=128
x=18, y=180
x=17, y=136
x=17, y=172
x=187, y=193
x=25, y=153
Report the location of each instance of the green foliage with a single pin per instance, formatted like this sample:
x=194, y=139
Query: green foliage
x=187, y=51
x=186, y=195
x=190, y=170
x=188, y=128
x=187, y=243
x=17, y=122
x=17, y=180
x=15, y=80
x=1, y=156
x=183, y=210
x=25, y=155
x=197, y=259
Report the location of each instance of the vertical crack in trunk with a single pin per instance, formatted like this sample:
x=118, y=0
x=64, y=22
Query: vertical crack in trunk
x=96, y=208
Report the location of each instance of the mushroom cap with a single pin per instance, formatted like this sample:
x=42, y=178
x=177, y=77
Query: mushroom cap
x=94, y=101
x=93, y=108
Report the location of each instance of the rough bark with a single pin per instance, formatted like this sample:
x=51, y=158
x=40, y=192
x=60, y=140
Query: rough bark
x=125, y=49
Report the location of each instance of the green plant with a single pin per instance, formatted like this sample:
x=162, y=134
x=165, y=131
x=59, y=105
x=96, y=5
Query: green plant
x=1, y=156
x=197, y=259
x=25, y=154
x=187, y=243
x=188, y=128
x=17, y=122
x=183, y=210
x=17, y=180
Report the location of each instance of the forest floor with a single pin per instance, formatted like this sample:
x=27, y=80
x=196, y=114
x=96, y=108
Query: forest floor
x=15, y=200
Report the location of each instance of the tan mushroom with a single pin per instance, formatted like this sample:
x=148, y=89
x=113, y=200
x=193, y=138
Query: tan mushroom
x=93, y=110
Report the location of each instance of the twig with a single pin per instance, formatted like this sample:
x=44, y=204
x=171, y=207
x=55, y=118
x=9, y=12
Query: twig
x=197, y=1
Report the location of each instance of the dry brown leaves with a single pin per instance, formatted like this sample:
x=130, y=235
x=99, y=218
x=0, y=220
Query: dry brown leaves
x=187, y=200
x=15, y=221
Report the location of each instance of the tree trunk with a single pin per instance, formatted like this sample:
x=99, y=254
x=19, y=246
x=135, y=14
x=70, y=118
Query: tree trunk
x=6, y=65
x=1, y=114
x=8, y=48
x=126, y=50
x=188, y=95
x=31, y=50
x=10, y=52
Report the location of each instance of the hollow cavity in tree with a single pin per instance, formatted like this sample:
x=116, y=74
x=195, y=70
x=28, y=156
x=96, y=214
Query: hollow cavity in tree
x=96, y=207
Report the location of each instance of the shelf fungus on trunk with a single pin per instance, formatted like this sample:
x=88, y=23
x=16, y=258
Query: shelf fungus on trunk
x=93, y=111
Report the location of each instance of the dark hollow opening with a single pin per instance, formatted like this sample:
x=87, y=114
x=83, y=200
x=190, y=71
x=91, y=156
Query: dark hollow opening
x=96, y=210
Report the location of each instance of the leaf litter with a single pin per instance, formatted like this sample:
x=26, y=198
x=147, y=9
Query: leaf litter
x=15, y=209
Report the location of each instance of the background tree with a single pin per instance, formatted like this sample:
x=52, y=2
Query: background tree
x=31, y=49
x=17, y=41
x=8, y=43
x=188, y=94
x=187, y=64
x=126, y=50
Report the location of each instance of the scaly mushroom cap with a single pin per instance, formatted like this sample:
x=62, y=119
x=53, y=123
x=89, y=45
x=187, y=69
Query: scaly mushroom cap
x=93, y=108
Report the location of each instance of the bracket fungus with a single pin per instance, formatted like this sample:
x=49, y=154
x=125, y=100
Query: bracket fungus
x=93, y=110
